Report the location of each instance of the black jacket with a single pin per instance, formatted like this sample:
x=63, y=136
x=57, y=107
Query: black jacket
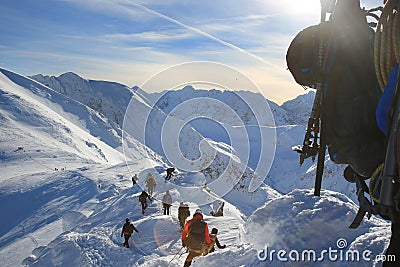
x=128, y=229
x=214, y=240
x=183, y=212
x=143, y=196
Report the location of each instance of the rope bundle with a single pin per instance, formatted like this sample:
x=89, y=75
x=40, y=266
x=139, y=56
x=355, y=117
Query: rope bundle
x=387, y=41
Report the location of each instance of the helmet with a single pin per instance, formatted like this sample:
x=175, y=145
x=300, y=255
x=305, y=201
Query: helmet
x=198, y=211
x=127, y=219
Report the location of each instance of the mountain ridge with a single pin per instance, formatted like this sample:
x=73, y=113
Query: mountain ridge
x=62, y=84
x=74, y=215
x=290, y=119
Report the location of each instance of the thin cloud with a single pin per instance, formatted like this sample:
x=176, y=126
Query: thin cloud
x=205, y=34
x=111, y=7
x=149, y=36
x=137, y=38
x=124, y=8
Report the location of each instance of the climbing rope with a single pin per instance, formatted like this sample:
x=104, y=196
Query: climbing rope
x=387, y=42
x=372, y=182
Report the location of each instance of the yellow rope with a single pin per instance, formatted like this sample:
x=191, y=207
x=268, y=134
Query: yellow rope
x=377, y=48
x=386, y=53
x=387, y=43
x=372, y=182
x=396, y=33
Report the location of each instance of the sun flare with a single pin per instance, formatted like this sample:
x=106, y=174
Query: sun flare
x=294, y=8
x=305, y=6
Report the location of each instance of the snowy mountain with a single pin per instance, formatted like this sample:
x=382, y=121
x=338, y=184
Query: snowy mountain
x=67, y=186
x=35, y=113
x=290, y=118
x=296, y=111
x=110, y=99
x=143, y=113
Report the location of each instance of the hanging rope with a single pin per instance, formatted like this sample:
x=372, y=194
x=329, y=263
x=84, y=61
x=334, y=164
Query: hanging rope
x=387, y=43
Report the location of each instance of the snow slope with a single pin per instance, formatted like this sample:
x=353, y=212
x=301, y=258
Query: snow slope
x=158, y=240
x=290, y=120
x=33, y=113
x=40, y=135
x=150, y=110
x=108, y=98
x=73, y=216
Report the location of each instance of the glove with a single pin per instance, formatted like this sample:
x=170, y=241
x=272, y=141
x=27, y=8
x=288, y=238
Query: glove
x=183, y=243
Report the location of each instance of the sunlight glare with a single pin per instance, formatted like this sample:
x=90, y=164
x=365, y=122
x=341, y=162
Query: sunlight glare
x=304, y=6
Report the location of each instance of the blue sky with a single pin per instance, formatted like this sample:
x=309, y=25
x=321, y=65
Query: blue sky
x=129, y=41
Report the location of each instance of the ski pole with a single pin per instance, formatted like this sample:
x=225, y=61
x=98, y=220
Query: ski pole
x=175, y=256
x=180, y=254
x=326, y=7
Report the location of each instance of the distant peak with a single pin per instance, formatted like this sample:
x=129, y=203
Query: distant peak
x=188, y=88
x=307, y=97
x=70, y=75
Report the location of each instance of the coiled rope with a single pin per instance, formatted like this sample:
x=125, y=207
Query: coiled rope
x=387, y=41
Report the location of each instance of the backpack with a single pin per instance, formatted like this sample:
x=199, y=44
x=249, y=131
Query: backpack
x=167, y=199
x=384, y=194
x=183, y=211
x=350, y=99
x=349, y=91
x=128, y=228
x=149, y=178
x=196, y=235
x=302, y=54
x=131, y=228
x=142, y=197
